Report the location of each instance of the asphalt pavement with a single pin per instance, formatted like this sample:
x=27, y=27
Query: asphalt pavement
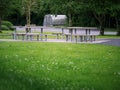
x=113, y=42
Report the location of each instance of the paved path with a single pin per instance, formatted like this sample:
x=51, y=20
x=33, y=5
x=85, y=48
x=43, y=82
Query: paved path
x=114, y=42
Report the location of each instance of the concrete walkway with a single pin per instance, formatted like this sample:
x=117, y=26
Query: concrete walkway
x=113, y=42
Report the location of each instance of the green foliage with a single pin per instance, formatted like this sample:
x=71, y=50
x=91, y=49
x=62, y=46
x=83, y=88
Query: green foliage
x=78, y=11
x=6, y=25
x=4, y=4
x=58, y=66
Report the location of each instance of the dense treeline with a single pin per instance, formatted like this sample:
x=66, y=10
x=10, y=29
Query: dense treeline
x=100, y=13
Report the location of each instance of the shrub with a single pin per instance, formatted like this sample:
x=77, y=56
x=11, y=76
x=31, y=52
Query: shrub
x=6, y=25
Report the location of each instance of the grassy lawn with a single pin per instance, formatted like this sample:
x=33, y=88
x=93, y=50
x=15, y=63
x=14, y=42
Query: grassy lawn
x=6, y=34
x=59, y=66
x=109, y=36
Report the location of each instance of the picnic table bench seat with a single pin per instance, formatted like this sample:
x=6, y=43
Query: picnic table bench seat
x=29, y=36
x=80, y=37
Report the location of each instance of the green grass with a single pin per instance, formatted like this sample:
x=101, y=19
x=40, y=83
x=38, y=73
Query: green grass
x=109, y=36
x=59, y=66
x=6, y=34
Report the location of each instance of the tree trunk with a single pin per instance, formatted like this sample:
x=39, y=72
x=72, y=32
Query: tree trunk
x=70, y=19
x=101, y=28
x=117, y=27
x=28, y=13
x=118, y=33
x=28, y=18
x=101, y=19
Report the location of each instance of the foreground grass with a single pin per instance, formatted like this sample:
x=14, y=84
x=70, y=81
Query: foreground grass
x=58, y=66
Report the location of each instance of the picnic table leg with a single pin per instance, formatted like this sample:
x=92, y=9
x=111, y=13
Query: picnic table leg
x=41, y=30
x=41, y=37
x=45, y=37
x=13, y=36
x=71, y=37
x=27, y=37
x=23, y=36
x=57, y=36
x=17, y=36
x=89, y=31
x=31, y=37
x=62, y=33
x=75, y=38
x=67, y=37
x=81, y=38
x=86, y=31
x=85, y=38
x=71, y=32
x=94, y=37
x=91, y=38
x=75, y=31
x=37, y=37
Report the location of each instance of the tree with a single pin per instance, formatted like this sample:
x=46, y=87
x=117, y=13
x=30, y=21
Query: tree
x=27, y=7
x=99, y=8
x=4, y=7
x=115, y=12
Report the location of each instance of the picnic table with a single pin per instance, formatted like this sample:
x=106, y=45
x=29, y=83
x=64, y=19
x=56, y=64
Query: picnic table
x=28, y=34
x=87, y=36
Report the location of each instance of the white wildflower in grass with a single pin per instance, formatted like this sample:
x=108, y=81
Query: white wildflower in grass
x=16, y=56
x=74, y=68
x=68, y=70
x=6, y=56
x=42, y=66
x=56, y=63
x=48, y=68
x=37, y=61
x=118, y=73
x=53, y=63
x=70, y=63
x=26, y=59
